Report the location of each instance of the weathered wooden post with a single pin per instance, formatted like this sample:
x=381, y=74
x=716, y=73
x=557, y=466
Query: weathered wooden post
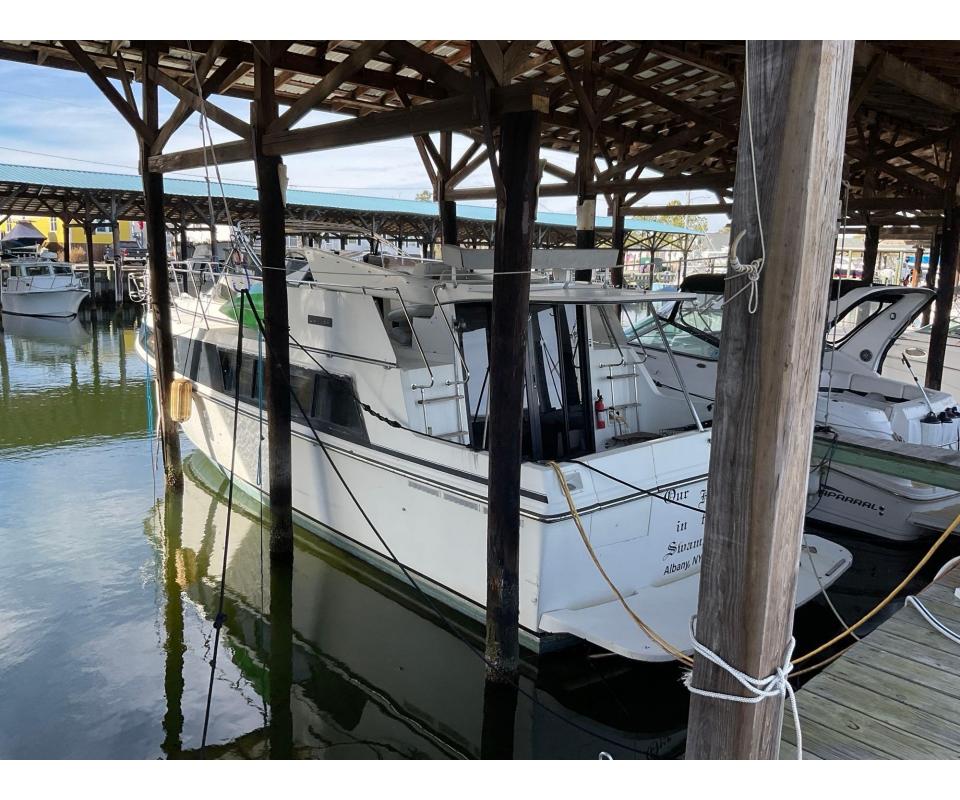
x=766, y=385
x=273, y=252
x=946, y=271
x=586, y=197
x=159, y=274
x=117, y=260
x=91, y=269
x=65, y=221
x=871, y=244
x=935, y=245
x=513, y=255
x=917, y=266
x=618, y=239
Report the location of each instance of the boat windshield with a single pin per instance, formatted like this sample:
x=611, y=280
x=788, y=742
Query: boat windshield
x=62, y=269
x=691, y=328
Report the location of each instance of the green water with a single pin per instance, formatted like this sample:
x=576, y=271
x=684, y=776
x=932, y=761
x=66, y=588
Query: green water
x=108, y=595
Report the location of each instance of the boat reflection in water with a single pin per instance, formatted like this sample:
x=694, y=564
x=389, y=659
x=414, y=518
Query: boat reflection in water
x=367, y=669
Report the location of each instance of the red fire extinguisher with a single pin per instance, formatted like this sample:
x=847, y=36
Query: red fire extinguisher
x=600, y=410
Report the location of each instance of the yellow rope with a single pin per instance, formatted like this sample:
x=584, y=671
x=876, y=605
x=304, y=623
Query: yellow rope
x=687, y=660
x=650, y=632
x=886, y=601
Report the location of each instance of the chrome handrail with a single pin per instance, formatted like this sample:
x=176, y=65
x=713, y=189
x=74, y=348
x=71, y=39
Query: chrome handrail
x=453, y=337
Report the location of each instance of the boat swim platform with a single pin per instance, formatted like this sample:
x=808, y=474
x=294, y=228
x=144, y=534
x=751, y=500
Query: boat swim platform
x=893, y=695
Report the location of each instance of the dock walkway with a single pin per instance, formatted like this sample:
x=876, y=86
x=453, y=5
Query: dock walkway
x=895, y=694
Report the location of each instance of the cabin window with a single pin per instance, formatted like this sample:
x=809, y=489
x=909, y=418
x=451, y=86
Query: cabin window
x=336, y=403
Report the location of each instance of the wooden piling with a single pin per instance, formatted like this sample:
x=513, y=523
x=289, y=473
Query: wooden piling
x=917, y=266
x=617, y=240
x=871, y=244
x=586, y=199
x=159, y=277
x=936, y=243
x=65, y=222
x=276, y=323
x=513, y=255
x=946, y=270
x=766, y=385
x=91, y=270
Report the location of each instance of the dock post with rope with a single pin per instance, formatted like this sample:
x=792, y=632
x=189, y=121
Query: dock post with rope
x=516, y=210
x=159, y=275
x=273, y=257
x=786, y=194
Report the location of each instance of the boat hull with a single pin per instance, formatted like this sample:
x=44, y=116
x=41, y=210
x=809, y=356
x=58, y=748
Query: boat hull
x=432, y=515
x=874, y=503
x=44, y=303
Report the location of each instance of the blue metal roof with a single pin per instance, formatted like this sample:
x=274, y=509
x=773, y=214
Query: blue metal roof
x=110, y=181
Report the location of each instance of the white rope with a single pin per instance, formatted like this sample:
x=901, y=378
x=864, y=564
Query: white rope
x=776, y=685
x=935, y=623
x=753, y=269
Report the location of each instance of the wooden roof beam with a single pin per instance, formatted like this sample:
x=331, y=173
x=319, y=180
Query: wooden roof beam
x=329, y=83
x=196, y=103
x=452, y=114
x=665, y=101
x=209, y=84
x=430, y=66
x=909, y=78
x=87, y=64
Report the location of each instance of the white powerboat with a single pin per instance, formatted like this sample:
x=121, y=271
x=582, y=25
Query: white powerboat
x=915, y=345
x=389, y=364
x=854, y=397
x=37, y=286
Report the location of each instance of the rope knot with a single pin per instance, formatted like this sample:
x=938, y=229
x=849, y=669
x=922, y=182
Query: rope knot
x=775, y=685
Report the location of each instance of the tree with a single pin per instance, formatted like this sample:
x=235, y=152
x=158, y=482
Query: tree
x=426, y=194
x=692, y=222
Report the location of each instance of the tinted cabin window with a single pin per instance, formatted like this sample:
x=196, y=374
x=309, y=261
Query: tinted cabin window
x=302, y=382
x=336, y=403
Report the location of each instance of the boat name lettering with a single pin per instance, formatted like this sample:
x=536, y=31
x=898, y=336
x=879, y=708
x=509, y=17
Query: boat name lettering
x=326, y=322
x=676, y=547
x=856, y=501
x=674, y=494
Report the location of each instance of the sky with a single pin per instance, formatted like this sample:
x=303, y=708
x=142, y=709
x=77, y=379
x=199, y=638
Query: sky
x=62, y=120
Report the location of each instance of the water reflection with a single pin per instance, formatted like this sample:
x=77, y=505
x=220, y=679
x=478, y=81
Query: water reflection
x=355, y=667
x=65, y=382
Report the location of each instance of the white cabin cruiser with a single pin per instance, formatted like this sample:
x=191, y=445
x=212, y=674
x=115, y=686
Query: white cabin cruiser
x=389, y=362
x=854, y=397
x=38, y=286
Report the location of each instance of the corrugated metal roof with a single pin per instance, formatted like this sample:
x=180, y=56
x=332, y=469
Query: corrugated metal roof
x=110, y=181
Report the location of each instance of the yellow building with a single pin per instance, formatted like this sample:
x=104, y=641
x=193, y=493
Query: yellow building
x=52, y=228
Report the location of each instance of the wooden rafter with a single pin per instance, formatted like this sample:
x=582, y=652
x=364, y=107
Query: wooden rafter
x=196, y=103
x=183, y=108
x=329, y=83
x=128, y=112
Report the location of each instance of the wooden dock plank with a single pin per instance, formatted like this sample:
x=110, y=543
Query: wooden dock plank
x=895, y=694
x=865, y=729
x=889, y=710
